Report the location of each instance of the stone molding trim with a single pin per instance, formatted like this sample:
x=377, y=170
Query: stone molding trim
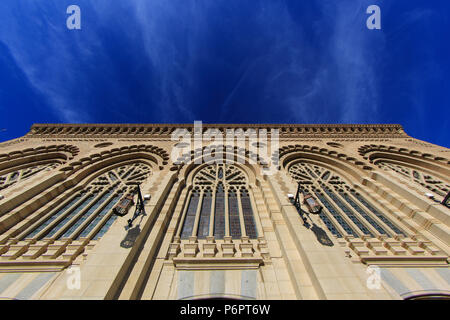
x=28, y=162
x=240, y=155
x=165, y=130
x=369, y=153
x=162, y=157
x=287, y=153
x=72, y=151
x=11, y=142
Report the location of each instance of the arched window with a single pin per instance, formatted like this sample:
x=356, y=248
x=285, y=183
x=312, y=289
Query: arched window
x=15, y=175
x=87, y=214
x=219, y=205
x=346, y=212
x=436, y=185
x=20, y=165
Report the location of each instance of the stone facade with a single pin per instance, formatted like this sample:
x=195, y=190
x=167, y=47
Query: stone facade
x=223, y=229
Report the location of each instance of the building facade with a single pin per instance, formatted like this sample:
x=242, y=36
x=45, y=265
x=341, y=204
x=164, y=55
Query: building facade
x=220, y=220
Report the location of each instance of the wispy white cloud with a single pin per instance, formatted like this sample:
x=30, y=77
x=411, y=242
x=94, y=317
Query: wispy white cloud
x=170, y=32
x=341, y=85
x=174, y=35
x=355, y=58
x=318, y=69
x=42, y=55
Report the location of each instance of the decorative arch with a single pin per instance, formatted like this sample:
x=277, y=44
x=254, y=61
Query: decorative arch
x=372, y=151
x=435, y=183
x=88, y=168
x=21, y=165
x=156, y=154
x=69, y=179
x=346, y=211
x=16, y=175
x=340, y=161
x=188, y=172
x=235, y=234
x=427, y=172
x=189, y=161
x=70, y=174
x=351, y=212
x=218, y=204
x=369, y=226
x=74, y=206
x=78, y=216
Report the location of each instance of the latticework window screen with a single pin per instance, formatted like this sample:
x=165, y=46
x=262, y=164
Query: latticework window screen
x=13, y=177
x=436, y=185
x=346, y=212
x=219, y=194
x=88, y=212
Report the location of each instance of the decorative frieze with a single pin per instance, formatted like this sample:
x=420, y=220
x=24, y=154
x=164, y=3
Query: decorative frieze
x=164, y=130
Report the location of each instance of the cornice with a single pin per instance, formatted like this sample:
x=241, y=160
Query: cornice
x=165, y=130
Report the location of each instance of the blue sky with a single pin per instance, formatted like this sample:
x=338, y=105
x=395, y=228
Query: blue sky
x=226, y=61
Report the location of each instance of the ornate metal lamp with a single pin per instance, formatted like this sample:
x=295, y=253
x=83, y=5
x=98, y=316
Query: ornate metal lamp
x=310, y=202
x=124, y=205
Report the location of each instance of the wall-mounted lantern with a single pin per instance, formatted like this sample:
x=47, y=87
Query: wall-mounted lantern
x=311, y=203
x=308, y=200
x=124, y=205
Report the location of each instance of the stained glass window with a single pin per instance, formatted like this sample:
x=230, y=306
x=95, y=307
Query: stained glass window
x=88, y=214
x=224, y=182
x=219, y=217
x=343, y=208
x=436, y=185
x=249, y=219
x=13, y=177
x=205, y=214
x=190, y=215
x=233, y=209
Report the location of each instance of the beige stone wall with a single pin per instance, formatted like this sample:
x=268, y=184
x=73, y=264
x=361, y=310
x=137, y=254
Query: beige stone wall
x=288, y=259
